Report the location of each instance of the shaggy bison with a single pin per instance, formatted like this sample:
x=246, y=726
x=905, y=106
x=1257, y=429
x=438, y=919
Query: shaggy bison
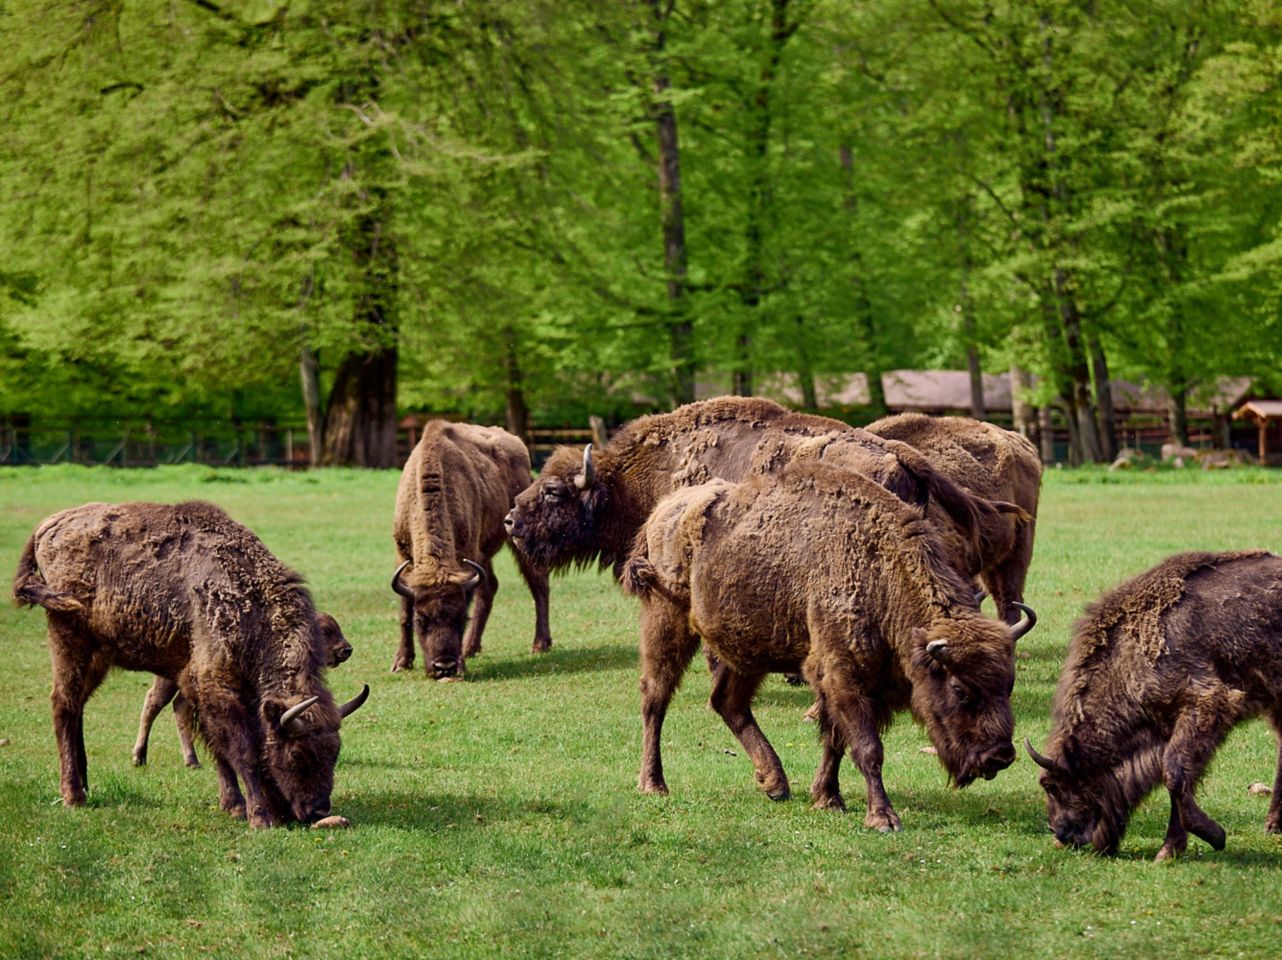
x=163, y=691
x=821, y=570
x=993, y=464
x=587, y=507
x=1158, y=671
x=187, y=593
x=457, y=485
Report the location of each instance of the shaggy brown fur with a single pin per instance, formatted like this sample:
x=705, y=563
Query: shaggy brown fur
x=163, y=691
x=993, y=464
x=1158, y=671
x=558, y=523
x=820, y=569
x=187, y=593
x=455, y=489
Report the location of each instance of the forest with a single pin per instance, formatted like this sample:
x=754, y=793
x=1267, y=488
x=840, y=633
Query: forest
x=526, y=211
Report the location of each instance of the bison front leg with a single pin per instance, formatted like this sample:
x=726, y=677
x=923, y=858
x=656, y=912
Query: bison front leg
x=1196, y=735
x=185, y=718
x=825, y=792
x=159, y=694
x=855, y=719
x=482, y=604
x=229, y=796
x=1177, y=838
x=537, y=581
x=228, y=732
x=732, y=694
x=667, y=647
x=404, y=659
x=1273, y=822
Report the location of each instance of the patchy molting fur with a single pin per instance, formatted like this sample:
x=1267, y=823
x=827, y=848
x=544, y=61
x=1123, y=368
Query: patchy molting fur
x=994, y=465
x=558, y=524
x=187, y=593
x=1158, y=671
x=821, y=570
x=456, y=487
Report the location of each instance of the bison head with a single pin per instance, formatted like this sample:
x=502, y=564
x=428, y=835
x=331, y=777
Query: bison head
x=300, y=751
x=555, y=520
x=440, y=614
x=333, y=644
x=965, y=672
x=1089, y=805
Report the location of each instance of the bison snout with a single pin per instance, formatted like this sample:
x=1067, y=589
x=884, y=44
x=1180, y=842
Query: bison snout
x=513, y=525
x=444, y=669
x=997, y=760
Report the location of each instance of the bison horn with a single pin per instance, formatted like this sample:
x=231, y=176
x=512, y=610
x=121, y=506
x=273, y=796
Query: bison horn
x=398, y=585
x=1046, y=763
x=1029, y=621
x=289, y=724
x=938, y=650
x=477, y=578
x=588, y=476
x=980, y=597
x=354, y=704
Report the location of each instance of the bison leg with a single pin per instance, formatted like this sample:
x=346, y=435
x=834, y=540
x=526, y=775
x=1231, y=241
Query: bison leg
x=162, y=691
x=1273, y=822
x=404, y=659
x=1005, y=581
x=855, y=719
x=537, y=581
x=227, y=730
x=482, y=603
x=229, y=796
x=184, y=718
x=74, y=680
x=732, y=694
x=667, y=647
x=1197, y=733
x=1177, y=838
x=825, y=792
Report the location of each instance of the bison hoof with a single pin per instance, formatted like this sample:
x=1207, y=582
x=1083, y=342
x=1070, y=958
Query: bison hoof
x=400, y=664
x=73, y=799
x=1273, y=824
x=541, y=646
x=831, y=802
x=192, y=763
x=140, y=759
x=779, y=794
x=883, y=822
x=659, y=789
x=1169, y=851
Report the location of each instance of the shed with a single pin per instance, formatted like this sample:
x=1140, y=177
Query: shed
x=1266, y=415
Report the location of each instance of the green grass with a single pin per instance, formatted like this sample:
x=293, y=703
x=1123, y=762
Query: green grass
x=500, y=816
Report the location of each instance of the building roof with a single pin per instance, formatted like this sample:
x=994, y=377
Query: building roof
x=1261, y=411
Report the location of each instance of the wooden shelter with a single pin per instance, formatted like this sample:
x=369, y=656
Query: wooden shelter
x=1266, y=415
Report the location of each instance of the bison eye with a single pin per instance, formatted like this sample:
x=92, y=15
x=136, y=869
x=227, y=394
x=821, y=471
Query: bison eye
x=553, y=493
x=961, y=693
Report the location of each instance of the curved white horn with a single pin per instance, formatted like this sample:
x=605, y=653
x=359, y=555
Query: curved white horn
x=289, y=724
x=588, y=476
x=1029, y=621
x=398, y=586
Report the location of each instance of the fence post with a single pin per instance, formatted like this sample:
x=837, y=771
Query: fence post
x=599, y=434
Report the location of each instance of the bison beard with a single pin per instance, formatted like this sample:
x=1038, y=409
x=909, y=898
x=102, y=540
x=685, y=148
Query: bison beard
x=822, y=570
x=1158, y=671
x=188, y=594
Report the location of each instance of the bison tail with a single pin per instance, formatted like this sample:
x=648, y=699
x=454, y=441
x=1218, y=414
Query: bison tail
x=30, y=590
x=639, y=577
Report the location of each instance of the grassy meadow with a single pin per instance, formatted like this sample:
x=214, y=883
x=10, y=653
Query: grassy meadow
x=499, y=816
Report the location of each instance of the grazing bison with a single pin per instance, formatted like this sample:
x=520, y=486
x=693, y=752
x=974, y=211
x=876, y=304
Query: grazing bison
x=1158, y=671
x=163, y=691
x=188, y=594
x=458, y=484
x=819, y=569
x=993, y=464
x=586, y=508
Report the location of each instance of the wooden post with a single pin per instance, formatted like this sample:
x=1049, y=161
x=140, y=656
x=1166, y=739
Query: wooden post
x=1264, y=439
x=599, y=434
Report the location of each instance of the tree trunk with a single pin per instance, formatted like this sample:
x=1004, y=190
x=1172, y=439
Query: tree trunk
x=862, y=313
x=360, y=424
x=1046, y=427
x=1104, y=398
x=672, y=217
x=517, y=412
x=308, y=373
x=1177, y=414
x=805, y=371
x=1023, y=413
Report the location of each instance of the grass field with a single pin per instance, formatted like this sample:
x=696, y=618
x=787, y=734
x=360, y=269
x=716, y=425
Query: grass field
x=499, y=817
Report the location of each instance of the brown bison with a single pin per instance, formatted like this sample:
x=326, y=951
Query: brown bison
x=1158, y=671
x=819, y=569
x=457, y=485
x=163, y=691
x=587, y=507
x=995, y=465
x=188, y=594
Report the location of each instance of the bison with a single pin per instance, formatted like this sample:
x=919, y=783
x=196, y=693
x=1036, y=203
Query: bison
x=821, y=570
x=588, y=507
x=188, y=594
x=455, y=489
x=1158, y=671
x=163, y=691
x=995, y=465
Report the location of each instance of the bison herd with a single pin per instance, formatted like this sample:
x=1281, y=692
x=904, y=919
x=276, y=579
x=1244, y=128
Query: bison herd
x=780, y=542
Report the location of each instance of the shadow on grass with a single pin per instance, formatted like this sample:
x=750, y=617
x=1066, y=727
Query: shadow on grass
x=559, y=660
x=433, y=812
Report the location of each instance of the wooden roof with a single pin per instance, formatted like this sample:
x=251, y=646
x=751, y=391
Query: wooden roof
x=1261, y=411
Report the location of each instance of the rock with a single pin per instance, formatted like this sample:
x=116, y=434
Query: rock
x=1175, y=451
x=5, y=741
x=930, y=750
x=1260, y=790
x=332, y=823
